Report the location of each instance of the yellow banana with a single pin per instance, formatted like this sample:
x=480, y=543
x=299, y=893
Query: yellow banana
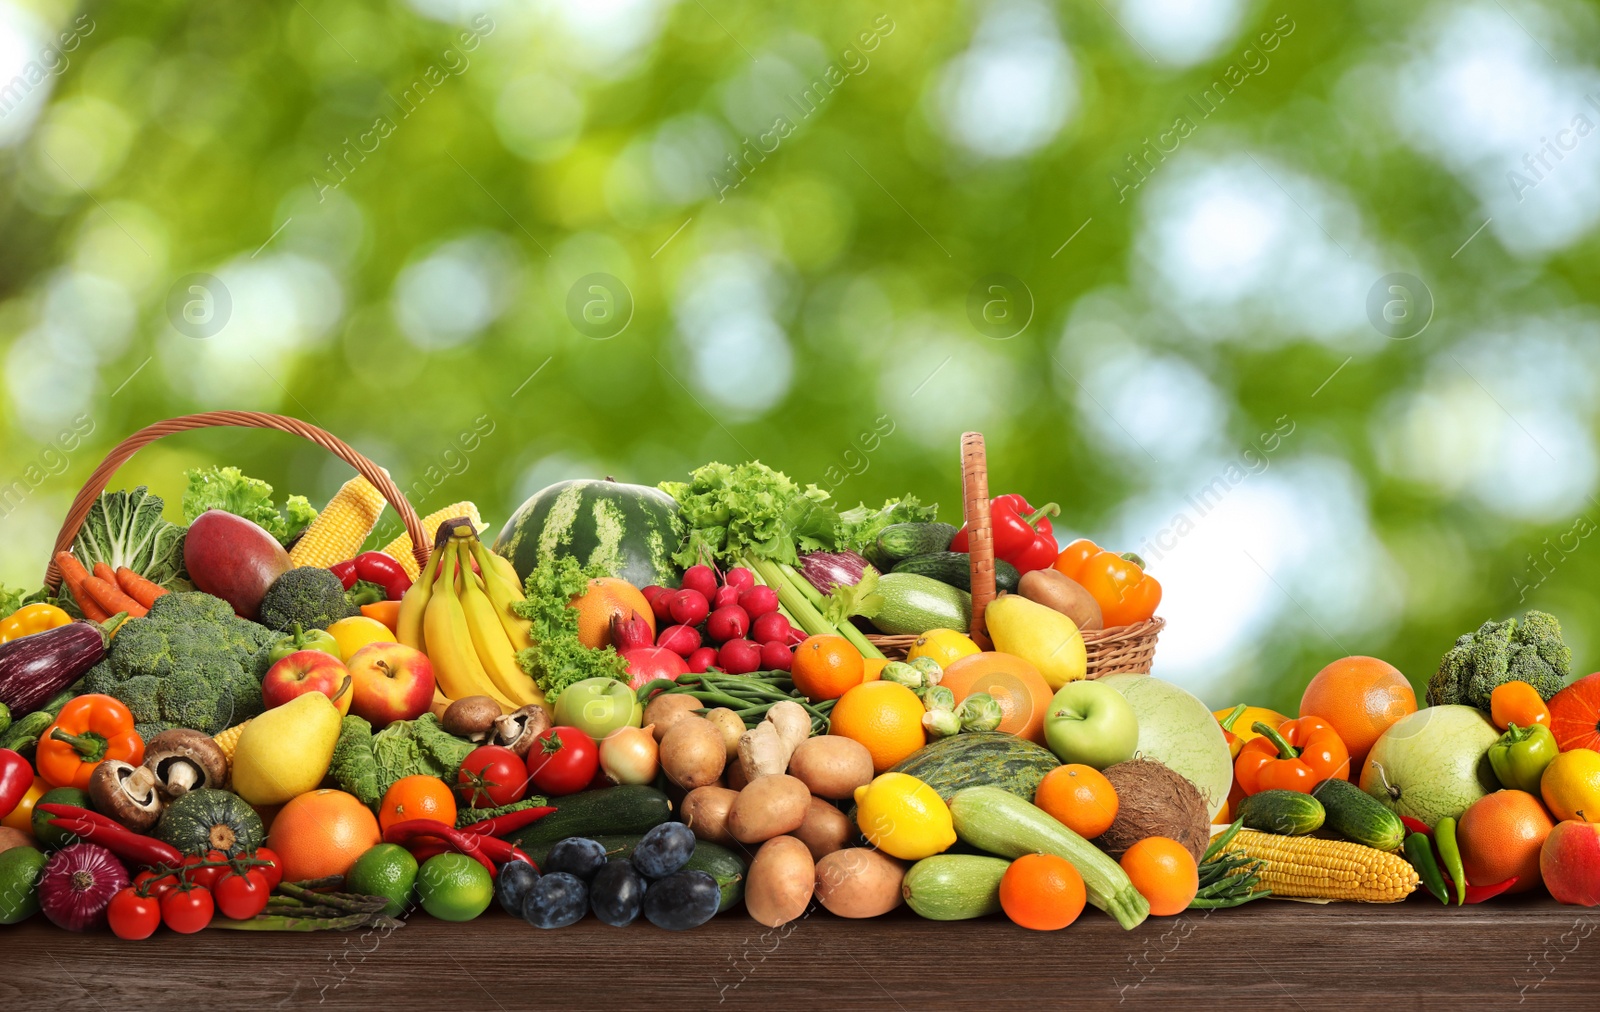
x=455, y=661
x=493, y=646
x=413, y=605
x=502, y=595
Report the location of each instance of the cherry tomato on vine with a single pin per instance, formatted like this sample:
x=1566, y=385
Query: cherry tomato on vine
x=132, y=916
x=563, y=761
x=241, y=897
x=492, y=776
x=187, y=910
x=204, y=877
x=153, y=886
x=273, y=871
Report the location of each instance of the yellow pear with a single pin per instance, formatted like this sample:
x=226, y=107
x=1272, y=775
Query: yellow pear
x=1042, y=636
x=285, y=752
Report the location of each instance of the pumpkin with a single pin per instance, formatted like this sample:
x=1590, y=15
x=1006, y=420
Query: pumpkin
x=209, y=819
x=630, y=531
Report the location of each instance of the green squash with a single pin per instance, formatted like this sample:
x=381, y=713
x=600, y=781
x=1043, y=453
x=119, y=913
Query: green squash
x=208, y=819
x=630, y=531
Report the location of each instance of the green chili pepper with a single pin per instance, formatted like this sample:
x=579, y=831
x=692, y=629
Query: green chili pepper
x=1444, y=837
x=1419, y=851
x=1520, y=756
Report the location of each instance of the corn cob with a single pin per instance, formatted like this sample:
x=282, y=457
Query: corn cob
x=228, y=740
x=1312, y=868
x=400, y=548
x=342, y=527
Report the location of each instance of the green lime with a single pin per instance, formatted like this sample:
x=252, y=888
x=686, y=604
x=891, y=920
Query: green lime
x=20, y=868
x=454, y=887
x=386, y=870
x=47, y=836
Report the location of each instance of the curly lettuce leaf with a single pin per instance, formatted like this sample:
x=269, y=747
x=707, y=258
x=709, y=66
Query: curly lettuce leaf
x=859, y=528
x=558, y=659
x=232, y=491
x=731, y=510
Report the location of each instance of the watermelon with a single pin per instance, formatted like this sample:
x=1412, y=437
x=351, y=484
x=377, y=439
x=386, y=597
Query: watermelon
x=980, y=759
x=630, y=531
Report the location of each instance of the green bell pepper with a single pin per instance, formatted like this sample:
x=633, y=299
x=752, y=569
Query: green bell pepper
x=1520, y=756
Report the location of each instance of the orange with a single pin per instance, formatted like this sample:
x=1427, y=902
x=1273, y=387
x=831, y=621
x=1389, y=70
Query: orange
x=1164, y=872
x=1023, y=694
x=417, y=797
x=826, y=667
x=1360, y=697
x=321, y=833
x=883, y=716
x=608, y=596
x=1079, y=797
x=1042, y=892
x=1500, y=835
x=872, y=668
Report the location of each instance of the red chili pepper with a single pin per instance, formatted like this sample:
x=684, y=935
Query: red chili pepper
x=1476, y=894
x=403, y=833
x=128, y=845
x=510, y=822
x=1022, y=534
x=80, y=814
x=1416, y=826
x=346, y=572
x=16, y=777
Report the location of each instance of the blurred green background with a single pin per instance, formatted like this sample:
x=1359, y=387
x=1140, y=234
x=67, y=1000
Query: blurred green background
x=1173, y=257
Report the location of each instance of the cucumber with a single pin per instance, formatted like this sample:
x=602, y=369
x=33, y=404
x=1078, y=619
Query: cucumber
x=902, y=541
x=1287, y=813
x=997, y=821
x=630, y=808
x=722, y=864
x=955, y=568
x=913, y=604
x=954, y=887
x=1358, y=816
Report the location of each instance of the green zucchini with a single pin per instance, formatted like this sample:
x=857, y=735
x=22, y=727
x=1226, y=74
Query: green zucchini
x=997, y=821
x=722, y=864
x=1287, y=813
x=954, y=887
x=902, y=541
x=955, y=568
x=1358, y=816
x=913, y=604
x=629, y=808
x=5, y=718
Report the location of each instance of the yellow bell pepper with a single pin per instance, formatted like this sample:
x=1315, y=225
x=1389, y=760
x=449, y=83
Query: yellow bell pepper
x=33, y=618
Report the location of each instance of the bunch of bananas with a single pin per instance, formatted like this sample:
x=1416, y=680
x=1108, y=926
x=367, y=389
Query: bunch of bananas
x=463, y=621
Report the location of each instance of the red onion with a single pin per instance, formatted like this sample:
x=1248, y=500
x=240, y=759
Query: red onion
x=77, y=885
x=826, y=570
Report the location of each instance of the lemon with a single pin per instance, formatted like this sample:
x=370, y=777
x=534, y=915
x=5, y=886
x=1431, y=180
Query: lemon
x=904, y=817
x=943, y=645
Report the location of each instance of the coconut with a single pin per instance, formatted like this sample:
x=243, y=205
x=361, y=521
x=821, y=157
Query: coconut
x=1155, y=800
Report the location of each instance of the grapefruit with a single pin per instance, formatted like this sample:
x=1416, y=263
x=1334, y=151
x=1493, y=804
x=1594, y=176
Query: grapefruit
x=1501, y=835
x=1361, y=697
x=322, y=833
x=608, y=596
x=1018, y=687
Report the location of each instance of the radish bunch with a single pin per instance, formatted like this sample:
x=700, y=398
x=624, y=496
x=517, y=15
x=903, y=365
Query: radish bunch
x=734, y=626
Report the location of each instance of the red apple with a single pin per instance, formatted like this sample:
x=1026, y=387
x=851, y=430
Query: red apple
x=308, y=671
x=390, y=682
x=1569, y=863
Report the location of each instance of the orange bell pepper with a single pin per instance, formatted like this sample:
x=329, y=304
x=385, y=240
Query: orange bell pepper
x=89, y=730
x=1296, y=756
x=1118, y=583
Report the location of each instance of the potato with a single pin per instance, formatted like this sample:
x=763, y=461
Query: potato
x=832, y=766
x=733, y=776
x=769, y=806
x=859, y=882
x=667, y=709
x=705, y=811
x=731, y=725
x=692, y=753
x=14, y=838
x=825, y=830
x=782, y=878
x=1059, y=592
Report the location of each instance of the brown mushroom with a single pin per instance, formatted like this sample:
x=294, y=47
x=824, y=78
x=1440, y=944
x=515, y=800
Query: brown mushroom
x=125, y=792
x=471, y=717
x=519, y=729
x=183, y=760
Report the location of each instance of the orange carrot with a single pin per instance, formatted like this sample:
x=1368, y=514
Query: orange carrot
x=75, y=576
x=138, y=588
x=103, y=571
x=110, y=599
x=387, y=612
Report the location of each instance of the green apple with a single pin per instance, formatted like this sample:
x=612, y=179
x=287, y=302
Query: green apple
x=597, y=706
x=1092, y=724
x=305, y=639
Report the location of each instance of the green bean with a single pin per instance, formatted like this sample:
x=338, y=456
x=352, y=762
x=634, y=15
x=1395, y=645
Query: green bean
x=1231, y=901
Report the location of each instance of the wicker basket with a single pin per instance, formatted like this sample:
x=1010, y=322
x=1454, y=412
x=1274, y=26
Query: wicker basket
x=421, y=542
x=1125, y=648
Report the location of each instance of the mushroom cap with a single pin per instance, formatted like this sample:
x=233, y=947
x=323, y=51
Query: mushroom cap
x=192, y=749
x=519, y=729
x=470, y=715
x=125, y=792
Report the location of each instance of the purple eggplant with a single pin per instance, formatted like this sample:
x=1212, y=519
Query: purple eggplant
x=827, y=570
x=36, y=667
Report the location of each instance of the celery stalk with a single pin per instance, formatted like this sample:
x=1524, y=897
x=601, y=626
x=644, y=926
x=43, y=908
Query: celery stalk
x=806, y=615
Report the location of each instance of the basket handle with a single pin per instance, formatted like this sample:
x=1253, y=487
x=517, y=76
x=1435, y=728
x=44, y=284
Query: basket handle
x=980, y=533
x=421, y=542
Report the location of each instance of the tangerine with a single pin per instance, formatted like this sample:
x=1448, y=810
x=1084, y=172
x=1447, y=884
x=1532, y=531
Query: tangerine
x=1079, y=797
x=1042, y=892
x=826, y=667
x=1164, y=872
x=417, y=797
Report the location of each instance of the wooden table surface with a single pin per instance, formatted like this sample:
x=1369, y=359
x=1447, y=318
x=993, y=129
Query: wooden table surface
x=1271, y=954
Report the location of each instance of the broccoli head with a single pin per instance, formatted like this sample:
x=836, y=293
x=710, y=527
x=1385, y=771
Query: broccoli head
x=191, y=662
x=1498, y=652
x=308, y=595
x=353, y=766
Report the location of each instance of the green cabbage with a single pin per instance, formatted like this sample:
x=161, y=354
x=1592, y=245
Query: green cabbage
x=126, y=529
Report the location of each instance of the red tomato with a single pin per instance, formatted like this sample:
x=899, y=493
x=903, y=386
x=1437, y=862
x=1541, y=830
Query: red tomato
x=205, y=877
x=132, y=916
x=157, y=887
x=563, y=761
x=492, y=776
x=187, y=910
x=241, y=897
x=273, y=870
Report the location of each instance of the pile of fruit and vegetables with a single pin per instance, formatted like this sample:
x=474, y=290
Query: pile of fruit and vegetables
x=672, y=703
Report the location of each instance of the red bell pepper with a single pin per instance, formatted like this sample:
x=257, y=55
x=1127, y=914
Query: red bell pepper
x=374, y=567
x=16, y=776
x=1022, y=534
x=1118, y=583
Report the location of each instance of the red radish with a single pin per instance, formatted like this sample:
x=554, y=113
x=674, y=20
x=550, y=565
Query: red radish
x=702, y=660
x=652, y=592
x=689, y=607
x=758, y=600
x=661, y=604
x=776, y=657
x=770, y=628
x=730, y=623
x=725, y=596
x=682, y=640
x=700, y=578
x=630, y=633
x=740, y=577
x=795, y=637
x=646, y=664
x=739, y=657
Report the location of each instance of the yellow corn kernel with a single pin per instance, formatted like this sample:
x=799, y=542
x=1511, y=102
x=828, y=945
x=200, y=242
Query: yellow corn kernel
x=400, y=548
x=342, y=527
x=1312, y=868
x=228, y=740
